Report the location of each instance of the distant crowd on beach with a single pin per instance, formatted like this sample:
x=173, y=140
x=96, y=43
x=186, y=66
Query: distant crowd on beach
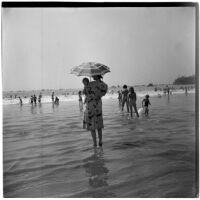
x=34, y=99
x=54, y=99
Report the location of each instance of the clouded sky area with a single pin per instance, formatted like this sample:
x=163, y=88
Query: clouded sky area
x=140, y=45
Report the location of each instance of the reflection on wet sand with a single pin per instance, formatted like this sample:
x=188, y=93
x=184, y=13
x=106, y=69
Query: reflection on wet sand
x=168, y=99
x=40, y=108
x=98, y=173
x=33, y=109
x=55, y=106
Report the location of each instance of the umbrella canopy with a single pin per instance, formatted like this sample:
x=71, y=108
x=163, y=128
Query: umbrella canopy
x=90, y=69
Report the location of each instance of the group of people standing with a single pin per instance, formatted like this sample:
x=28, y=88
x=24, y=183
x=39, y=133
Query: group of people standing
x=54, y=99
x=33, y=99
x=94, y=91
x=93, y=117
x=129, y=98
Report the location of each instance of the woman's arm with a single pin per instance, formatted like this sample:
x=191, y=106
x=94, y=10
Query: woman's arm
x=103, y=89
x=84, y=91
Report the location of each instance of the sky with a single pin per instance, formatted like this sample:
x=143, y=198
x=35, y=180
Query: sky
x=141, y=45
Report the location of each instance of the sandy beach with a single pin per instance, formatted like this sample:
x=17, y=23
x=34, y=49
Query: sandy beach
x=47, y=153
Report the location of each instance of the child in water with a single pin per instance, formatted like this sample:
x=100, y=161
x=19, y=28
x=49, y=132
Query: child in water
x=56, y=100
x=86, y=89
x=132, y=101
x=125, y=98
x=80, y=101
x=85, y=92
x=31, y=100
x=39, y=98
x=145, y=104
x=120, y=97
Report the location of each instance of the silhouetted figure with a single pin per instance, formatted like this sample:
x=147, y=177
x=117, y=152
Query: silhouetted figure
x=57, y=100
x=34, y=99
x=20, y=101
x=132, y=98
x=52, y=96
x=186, y=91
x=39, y=98
x=145, y=104
x=125, y=98
x=120, y=97
x=31, y=100
x=167, y=89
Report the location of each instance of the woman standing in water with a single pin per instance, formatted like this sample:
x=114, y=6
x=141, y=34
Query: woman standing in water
x=132, y=98
x=97, y=89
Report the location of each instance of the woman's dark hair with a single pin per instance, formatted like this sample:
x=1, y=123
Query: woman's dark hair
x=79, y=92
x=131, y=89
x=86, y=80
x=124, y=86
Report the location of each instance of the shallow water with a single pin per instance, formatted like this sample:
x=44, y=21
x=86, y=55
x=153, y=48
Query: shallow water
x=46, y=153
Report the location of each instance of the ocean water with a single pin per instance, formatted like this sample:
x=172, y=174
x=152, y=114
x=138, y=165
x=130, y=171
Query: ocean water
x=46, y=153
x=66, y=96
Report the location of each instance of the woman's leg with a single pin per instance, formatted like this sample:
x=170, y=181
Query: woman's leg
x=131, y=109
x=123, y=102
x=127, y=106
x=93, y=133
x=146, y=110
x=136, y=111
x=100, y=136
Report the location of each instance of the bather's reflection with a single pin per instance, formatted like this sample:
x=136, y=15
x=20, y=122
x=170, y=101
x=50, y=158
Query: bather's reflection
x=40, y=108
x=168, y=99
x=96, y=170
x=55, y=106
x=33, y=109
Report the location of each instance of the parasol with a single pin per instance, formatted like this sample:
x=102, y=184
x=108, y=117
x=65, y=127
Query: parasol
x=90, y=69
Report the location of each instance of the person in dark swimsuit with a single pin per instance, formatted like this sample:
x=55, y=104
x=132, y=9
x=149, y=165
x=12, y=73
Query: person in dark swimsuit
x=125, y=98
x=145, y=104
x=35, y=99
x=20, y=101
x=132, y=98
x=56, y=100
x=120, y=97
